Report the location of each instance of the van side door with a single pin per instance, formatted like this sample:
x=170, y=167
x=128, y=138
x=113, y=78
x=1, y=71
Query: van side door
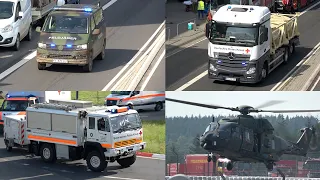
x=93, y=39
x=99, y=21
x=18, y=23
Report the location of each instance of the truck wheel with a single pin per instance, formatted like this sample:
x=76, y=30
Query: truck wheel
x=29, y=35
x=102, y=55
x=96, y=162
x=88, y=67
x=48, y=153
x=41, y=66
x=285, y=56
x=158, y=106
x=127, y=162
x=264, y=72
x=16, y=46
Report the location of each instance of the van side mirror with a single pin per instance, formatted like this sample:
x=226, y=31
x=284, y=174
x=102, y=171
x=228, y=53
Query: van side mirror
x=208, y=29
x=38, y=29
x=96, y=32
x=20, y=15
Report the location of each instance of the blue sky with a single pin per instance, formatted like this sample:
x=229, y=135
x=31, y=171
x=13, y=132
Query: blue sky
x=293, y=101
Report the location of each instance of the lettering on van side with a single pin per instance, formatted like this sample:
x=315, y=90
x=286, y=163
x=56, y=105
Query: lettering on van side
x=128, y=135
x=62, y=38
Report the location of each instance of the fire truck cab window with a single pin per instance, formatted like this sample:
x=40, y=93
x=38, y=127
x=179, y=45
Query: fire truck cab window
x=103, y=125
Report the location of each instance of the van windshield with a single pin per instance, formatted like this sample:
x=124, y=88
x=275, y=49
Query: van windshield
x=6, y=9
x=66, y=24
x=121, y=92
x=125, y=123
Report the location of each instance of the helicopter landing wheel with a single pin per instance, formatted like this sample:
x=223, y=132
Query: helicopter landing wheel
x=270, y=166
x=229, y=166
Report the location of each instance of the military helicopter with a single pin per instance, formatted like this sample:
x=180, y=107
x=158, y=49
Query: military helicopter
x=249, y=139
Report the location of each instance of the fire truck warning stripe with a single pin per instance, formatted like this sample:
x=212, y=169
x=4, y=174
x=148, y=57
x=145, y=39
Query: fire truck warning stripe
x=53, y=140
x=22, y=113
x=17, y=99
x=143, y=97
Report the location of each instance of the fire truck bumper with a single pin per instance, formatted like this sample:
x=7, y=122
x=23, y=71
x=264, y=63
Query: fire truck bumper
x=125, y=151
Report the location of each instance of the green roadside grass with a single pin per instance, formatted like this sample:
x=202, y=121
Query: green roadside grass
x=154, y=136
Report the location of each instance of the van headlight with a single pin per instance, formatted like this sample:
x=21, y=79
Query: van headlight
x=8, y=28
x=82, y=47
x=42, y=46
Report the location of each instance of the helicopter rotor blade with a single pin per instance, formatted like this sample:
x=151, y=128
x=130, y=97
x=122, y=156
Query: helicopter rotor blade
x=211, y=106
x=269, y=103
x=287, y=111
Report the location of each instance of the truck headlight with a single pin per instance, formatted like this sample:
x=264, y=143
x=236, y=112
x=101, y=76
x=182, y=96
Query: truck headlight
x=212, y=68
x=42, y=46
x=8, y=28
x=251, y=70
x=82, y=47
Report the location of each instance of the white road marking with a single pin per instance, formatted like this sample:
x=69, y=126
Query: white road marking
x=152, y=71
x=31, y=177
x=109, y=4
x=6, y=56
x=114, y=177
x=151, y=158
x=192, y=81
x=315, y=84
x=133, y=58
x=34, y=53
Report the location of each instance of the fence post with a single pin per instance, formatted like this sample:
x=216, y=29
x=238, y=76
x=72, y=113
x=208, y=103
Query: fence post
x=77, y=95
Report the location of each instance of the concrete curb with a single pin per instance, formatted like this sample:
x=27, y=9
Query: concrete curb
x=151, y=155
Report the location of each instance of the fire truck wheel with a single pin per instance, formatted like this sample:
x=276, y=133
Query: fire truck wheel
x=96, y=162
x=8, y=148
x=127, y=162
x=47, y=153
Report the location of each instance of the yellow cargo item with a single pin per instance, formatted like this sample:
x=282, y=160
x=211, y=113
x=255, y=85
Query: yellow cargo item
x=284, y=28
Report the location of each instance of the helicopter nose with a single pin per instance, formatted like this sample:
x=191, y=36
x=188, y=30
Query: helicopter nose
x=213, y=141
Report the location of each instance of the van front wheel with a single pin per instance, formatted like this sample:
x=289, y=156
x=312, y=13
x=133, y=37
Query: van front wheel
x=158, y=106
x=16, y=46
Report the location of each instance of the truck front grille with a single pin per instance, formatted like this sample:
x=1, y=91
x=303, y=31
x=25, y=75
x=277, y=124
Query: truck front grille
x=238, y=62
x=127, y=143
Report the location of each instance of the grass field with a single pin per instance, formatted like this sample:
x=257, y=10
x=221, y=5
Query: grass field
x=154, y=131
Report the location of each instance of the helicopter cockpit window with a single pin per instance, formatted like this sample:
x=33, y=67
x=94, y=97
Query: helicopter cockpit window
x=207, y=129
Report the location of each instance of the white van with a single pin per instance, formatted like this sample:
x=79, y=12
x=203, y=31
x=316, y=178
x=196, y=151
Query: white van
x=139, y=100
x=15, y=22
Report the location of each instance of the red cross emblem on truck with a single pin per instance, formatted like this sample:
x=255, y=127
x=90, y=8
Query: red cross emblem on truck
x=140, y=133
x=247, y=51
x=59, y=92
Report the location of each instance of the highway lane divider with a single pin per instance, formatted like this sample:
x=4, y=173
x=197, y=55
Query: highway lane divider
x=131, y=74
x=302, y=75
x=151, y=155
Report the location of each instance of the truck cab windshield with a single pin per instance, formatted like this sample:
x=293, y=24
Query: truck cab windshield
x=125, y=123
x=6, y=9
x=66, y=24
x=14, y=105
x=222, y=33
x=121, y=92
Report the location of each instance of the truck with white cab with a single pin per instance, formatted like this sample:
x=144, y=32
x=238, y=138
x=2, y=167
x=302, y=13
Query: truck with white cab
x=246, y=43
x=77, y=130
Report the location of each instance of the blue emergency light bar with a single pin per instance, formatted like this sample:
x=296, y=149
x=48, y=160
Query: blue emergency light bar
x=61, y=8
x=120, y=110
x=29, y=96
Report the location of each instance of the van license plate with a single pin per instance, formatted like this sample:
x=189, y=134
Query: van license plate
x=231, y=79
x=60, y=61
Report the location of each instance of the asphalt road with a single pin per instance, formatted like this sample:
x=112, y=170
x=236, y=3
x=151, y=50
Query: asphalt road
x=189, y=63
x=152, y=115
x=18, y=165
x=129, y=25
